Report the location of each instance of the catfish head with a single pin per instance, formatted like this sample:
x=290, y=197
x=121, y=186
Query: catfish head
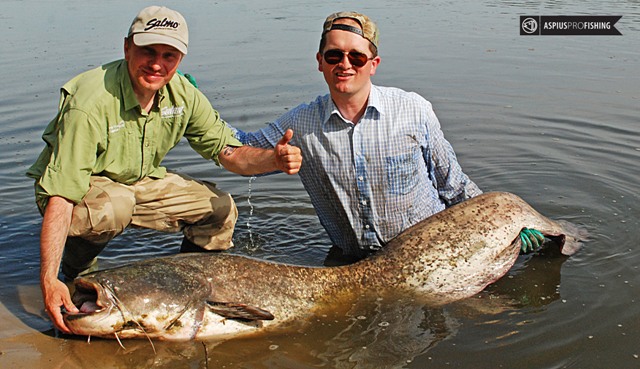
x=164, y=298
x=100, y=314
x=151, y=300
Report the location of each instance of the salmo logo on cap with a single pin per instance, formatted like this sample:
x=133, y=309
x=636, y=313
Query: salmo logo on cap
x=165, y=23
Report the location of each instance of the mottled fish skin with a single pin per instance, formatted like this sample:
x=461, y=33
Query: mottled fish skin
x=449, y=256
x=456, y=253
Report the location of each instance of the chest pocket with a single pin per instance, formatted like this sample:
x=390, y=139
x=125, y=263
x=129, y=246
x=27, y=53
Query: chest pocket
x=402, y=173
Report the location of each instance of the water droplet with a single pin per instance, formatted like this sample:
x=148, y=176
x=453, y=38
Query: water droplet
x=251, y=244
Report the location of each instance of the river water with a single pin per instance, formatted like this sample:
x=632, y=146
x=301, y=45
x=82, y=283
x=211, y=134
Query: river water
x=552, y=119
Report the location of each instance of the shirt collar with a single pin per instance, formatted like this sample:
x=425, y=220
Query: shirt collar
x=126, y=89
x=129, y=97
x=373, y=103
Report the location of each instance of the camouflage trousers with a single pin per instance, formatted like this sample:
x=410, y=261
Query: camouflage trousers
x=205, y=215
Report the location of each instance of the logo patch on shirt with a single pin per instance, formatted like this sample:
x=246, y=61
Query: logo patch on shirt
x=117, y=127
x=172, y=111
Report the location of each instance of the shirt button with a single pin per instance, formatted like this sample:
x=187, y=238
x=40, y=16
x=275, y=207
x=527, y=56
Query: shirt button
x=366, y=226
x=146, y=144
x=360, y=178
x=364, y=202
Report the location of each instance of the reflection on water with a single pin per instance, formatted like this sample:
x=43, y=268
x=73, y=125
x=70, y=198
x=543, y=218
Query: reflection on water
x=552, y=119
x=371, y=334
x=386, y=333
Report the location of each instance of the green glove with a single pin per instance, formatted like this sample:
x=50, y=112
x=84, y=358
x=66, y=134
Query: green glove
x=531, y=239
x=189, y=77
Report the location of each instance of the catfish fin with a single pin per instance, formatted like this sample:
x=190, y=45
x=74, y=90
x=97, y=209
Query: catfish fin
x=232, y=310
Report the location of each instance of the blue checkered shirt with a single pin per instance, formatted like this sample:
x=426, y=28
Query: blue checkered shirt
x=370, y=181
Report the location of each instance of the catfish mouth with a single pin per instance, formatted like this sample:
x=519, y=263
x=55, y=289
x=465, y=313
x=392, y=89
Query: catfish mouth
x=558, y=241
x=90, y=298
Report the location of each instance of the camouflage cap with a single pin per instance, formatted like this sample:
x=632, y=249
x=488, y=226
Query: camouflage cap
x=369, y=28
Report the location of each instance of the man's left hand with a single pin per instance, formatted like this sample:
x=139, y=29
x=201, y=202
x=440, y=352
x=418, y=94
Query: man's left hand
x=288, y=158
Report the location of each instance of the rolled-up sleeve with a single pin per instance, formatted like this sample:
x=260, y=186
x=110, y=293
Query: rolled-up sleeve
x=207, y=133
x=74, y=149
x=452, y=183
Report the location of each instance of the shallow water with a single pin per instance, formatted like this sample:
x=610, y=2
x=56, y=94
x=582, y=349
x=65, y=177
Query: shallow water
x=552, y=119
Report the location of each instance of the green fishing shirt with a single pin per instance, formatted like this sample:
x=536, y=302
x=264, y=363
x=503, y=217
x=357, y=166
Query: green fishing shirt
x=100, y=129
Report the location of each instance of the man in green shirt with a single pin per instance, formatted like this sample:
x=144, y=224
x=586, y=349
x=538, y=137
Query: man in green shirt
x=100, y=170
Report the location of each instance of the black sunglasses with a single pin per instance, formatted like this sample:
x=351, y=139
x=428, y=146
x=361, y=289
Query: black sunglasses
x=335, y=56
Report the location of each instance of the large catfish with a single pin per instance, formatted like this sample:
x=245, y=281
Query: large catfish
x=449, y=256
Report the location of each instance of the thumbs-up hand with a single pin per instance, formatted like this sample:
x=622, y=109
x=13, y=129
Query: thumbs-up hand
x=288, y=158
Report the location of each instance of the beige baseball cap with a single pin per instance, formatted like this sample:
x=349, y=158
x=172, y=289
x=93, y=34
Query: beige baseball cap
x=369, y=28
x=160, y=25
